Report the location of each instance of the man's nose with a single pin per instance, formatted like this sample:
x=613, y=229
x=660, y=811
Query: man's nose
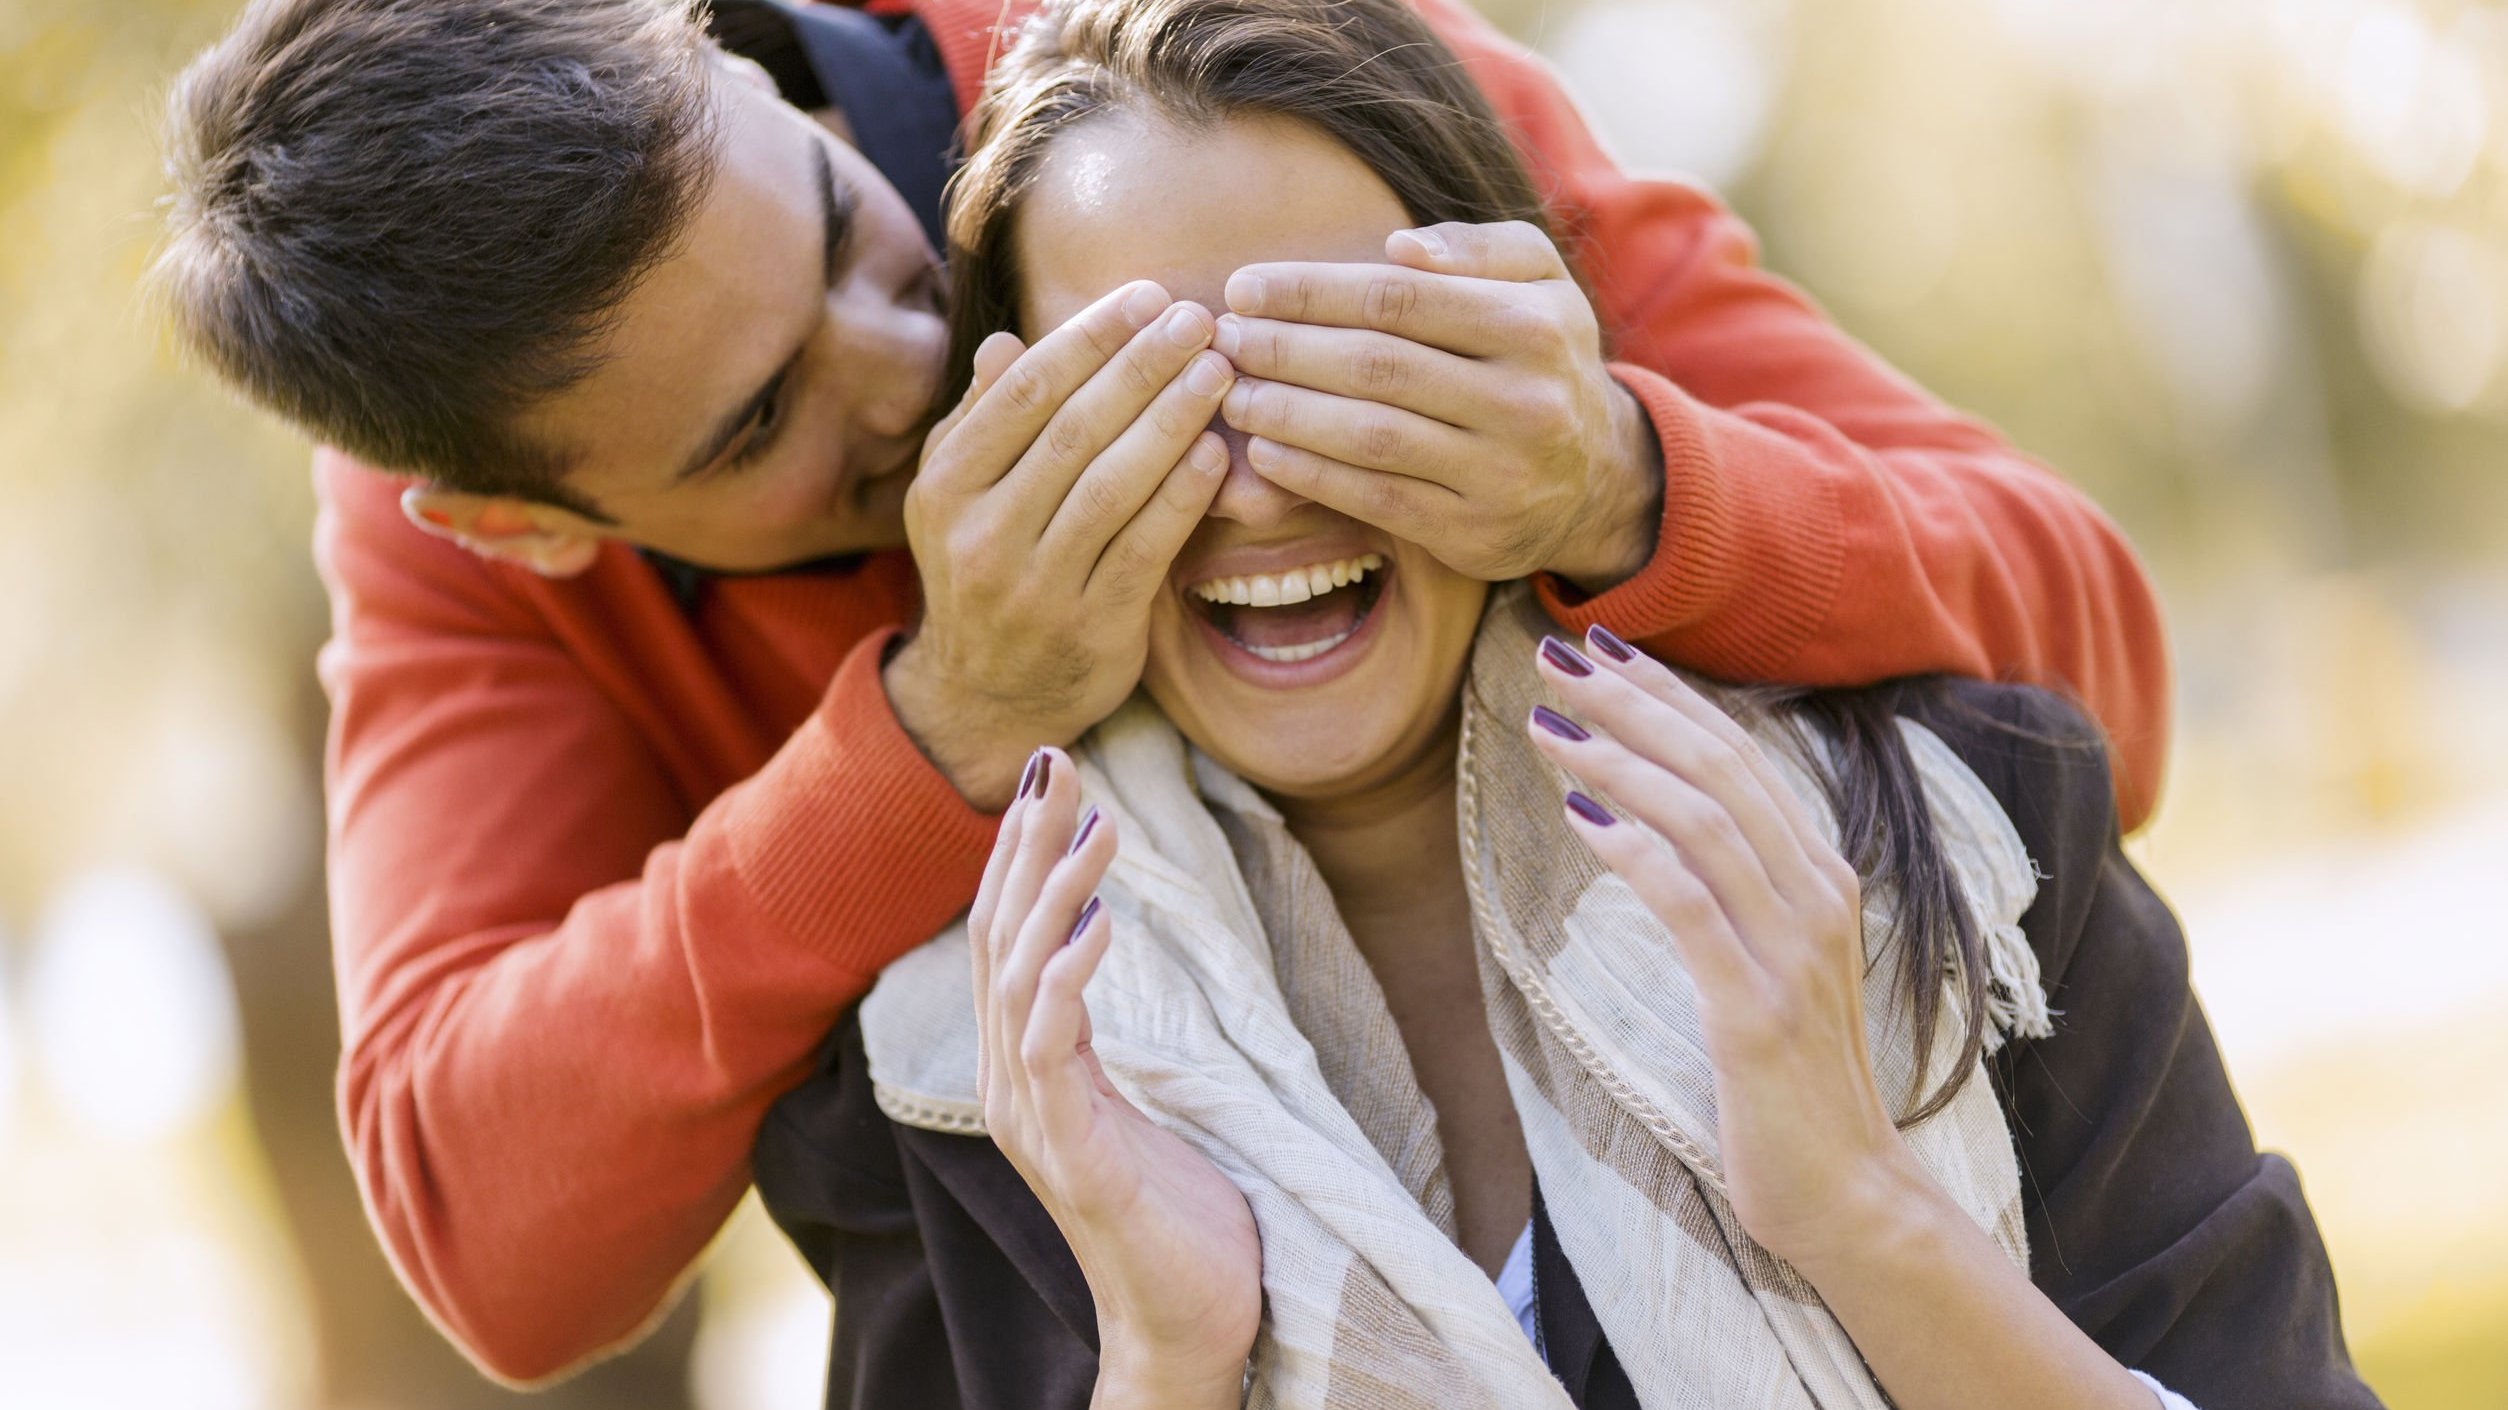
x=1245, y=496
x=890, y=361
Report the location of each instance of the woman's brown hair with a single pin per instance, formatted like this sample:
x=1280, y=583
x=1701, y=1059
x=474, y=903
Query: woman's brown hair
x=1370, y=75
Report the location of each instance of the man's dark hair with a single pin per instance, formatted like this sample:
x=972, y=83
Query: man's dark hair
x=401, y=223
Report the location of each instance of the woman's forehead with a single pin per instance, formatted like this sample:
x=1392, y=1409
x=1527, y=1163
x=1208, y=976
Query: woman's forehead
x=1127, y=196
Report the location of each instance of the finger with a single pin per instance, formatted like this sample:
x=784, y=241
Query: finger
x=1512, y=250
x=993, y=356
x=1360, y=363
x=1665, y=684
x=1137, y=559
x=1401, y=505
x=1063, y=905
x=988, y=891
x=1468, y=317
x=1724, y=763
x=1062, y=1085
x=1017, y=403
x=1052, y=792
x=1717, y=961
x=1114, y=486
x=1165, y=354
x=1366, y=434
x=1709, y=841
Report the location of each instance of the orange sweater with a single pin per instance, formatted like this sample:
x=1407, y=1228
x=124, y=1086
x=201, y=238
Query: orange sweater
x=604, y=871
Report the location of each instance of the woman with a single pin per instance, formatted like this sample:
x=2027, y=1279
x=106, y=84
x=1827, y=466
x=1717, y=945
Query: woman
x=1379, y=1029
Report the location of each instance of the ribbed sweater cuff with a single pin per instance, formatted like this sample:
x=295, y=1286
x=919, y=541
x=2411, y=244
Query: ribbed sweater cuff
x=1746, y=565
x=852, y=841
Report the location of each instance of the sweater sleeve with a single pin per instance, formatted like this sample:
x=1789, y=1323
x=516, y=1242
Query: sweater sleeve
x=568, y=996
x=2154, y=1222
x=1825, y=520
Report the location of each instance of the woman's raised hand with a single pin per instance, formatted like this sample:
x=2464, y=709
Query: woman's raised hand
x=1166, y=1241
x=1767, y=917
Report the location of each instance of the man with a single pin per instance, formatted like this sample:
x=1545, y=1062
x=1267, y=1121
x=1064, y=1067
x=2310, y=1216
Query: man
x=636, y=779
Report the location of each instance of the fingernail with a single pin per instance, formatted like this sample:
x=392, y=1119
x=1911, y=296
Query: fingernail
x=1087, y=825
x=1224, y=335
x=1245, y=292
x=1564, y=656
x=1143, y=304
x=1600, y=638
x=1559, y=724
x=1208, y=455
x=1205, y=376
x=1184, y=326
x=1589, y=810
x=1087, y=913
x=1040, y=768
x=1027, y=776
x=436, y=517
x=1429, y=241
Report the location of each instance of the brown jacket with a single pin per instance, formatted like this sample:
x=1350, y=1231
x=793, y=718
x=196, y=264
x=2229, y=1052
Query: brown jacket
x=2154, y=1223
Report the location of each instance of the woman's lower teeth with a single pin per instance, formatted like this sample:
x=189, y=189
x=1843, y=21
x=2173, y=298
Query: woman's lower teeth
x=1283, y=655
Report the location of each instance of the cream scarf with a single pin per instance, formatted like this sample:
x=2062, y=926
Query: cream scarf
x=1234, y=1009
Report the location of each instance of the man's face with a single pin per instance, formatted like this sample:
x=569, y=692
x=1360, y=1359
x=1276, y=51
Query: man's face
x=762, y=387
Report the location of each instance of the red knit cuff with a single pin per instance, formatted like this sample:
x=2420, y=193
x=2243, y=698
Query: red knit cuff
x=856, y=843
x=1746, y=565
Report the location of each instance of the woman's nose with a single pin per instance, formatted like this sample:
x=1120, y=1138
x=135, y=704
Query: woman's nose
x=1245, y=496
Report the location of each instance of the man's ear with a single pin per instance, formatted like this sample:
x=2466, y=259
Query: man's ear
x=540, y=537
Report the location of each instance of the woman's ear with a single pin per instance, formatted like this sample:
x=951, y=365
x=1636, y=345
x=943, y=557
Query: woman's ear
x=537, y=537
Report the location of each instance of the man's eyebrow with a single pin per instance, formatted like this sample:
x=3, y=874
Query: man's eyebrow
x=836, y=211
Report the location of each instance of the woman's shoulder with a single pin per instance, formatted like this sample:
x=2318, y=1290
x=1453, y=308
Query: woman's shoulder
x=2042, y=757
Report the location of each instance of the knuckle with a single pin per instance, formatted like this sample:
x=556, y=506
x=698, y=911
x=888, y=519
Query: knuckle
x=1378, y=369
x=1099, y=500
x=1024, y=390
x=1382, y=442
x=1388, y=298
x=1140, y=375
x=1066, y=439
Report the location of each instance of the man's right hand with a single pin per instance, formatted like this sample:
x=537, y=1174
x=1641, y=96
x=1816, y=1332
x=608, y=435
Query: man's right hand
x=1050, y=504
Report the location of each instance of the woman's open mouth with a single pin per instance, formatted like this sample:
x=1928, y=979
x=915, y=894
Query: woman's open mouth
x=1291, y=618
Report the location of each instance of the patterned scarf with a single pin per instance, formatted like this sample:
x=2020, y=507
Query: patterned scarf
x=1235, y=1010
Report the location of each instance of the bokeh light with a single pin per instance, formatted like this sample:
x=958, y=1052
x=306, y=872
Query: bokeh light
x=134, y=1022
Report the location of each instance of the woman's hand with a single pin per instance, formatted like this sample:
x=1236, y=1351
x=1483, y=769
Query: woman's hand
x=1455, y=395
x=1166, y=1241
x=1767, y=917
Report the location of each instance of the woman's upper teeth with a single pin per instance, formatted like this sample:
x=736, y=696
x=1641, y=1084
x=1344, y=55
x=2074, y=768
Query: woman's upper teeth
x=1289, y=585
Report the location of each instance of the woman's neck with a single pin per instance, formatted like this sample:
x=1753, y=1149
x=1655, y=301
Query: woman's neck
x=1389, y=848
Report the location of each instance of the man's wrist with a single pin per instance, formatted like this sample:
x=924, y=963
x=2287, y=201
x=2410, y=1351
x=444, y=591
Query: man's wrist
x=1624, y=517
x=982, y=763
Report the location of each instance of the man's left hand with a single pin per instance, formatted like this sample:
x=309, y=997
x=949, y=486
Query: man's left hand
x=1455, y=396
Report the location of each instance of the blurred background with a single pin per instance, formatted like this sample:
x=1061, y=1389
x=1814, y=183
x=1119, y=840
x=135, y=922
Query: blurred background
x=2238, y=268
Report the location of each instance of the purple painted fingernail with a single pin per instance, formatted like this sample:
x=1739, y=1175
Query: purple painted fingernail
x=1601, y=639
x=1589, y=810
x=1559, y=724
x=1564, y=656
x=1087, y=913
x=1088, y=824
x=1027, y=776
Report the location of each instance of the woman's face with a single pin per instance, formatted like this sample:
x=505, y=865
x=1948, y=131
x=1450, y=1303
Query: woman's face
x=1313, y=655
